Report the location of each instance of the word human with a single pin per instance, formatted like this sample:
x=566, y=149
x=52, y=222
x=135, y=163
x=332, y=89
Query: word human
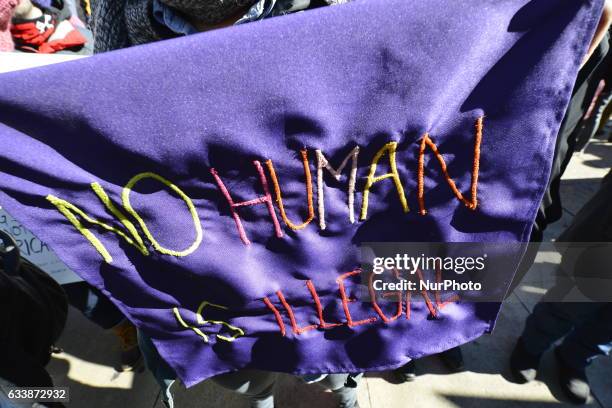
x=133, y=225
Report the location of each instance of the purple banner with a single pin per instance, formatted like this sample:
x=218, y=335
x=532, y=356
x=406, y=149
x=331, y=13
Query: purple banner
x=217, y=187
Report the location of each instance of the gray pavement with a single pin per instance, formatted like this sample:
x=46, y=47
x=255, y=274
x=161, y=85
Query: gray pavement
x=86, y=365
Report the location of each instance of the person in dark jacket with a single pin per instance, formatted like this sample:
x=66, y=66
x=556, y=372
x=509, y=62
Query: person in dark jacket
x=587, y=324
x=33, y=311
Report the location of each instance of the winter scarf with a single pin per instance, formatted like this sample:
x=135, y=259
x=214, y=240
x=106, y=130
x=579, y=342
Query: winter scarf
x=122, y=23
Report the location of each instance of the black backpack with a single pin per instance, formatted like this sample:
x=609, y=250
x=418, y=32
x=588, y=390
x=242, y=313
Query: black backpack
x=33, y=311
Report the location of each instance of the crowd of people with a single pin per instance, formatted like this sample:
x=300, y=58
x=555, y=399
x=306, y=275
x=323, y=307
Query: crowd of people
x=51, y=26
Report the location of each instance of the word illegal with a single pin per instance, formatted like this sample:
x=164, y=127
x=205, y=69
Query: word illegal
x=78, y=218
x=401, y=296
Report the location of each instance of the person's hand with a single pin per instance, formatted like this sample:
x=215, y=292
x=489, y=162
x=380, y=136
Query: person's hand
x=602, y=27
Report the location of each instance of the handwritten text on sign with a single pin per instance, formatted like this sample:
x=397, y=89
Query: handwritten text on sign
x=272, y=196
x=36, y=251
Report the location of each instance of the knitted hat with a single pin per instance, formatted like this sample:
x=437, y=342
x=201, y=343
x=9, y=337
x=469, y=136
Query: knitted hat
x=6, y=12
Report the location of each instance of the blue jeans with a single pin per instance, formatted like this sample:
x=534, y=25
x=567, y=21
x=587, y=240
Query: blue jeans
x=587, y=327
x=93, y=304
x=344, y=388
x=256, y=385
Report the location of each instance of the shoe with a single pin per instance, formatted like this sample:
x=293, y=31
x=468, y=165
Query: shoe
x=453, y=359
x=128, y=339
x=573, y=382
x=406, y=373
x=523, y=364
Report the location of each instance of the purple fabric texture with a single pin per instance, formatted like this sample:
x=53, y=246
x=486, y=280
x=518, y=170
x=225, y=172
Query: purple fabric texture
x=363, y=74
